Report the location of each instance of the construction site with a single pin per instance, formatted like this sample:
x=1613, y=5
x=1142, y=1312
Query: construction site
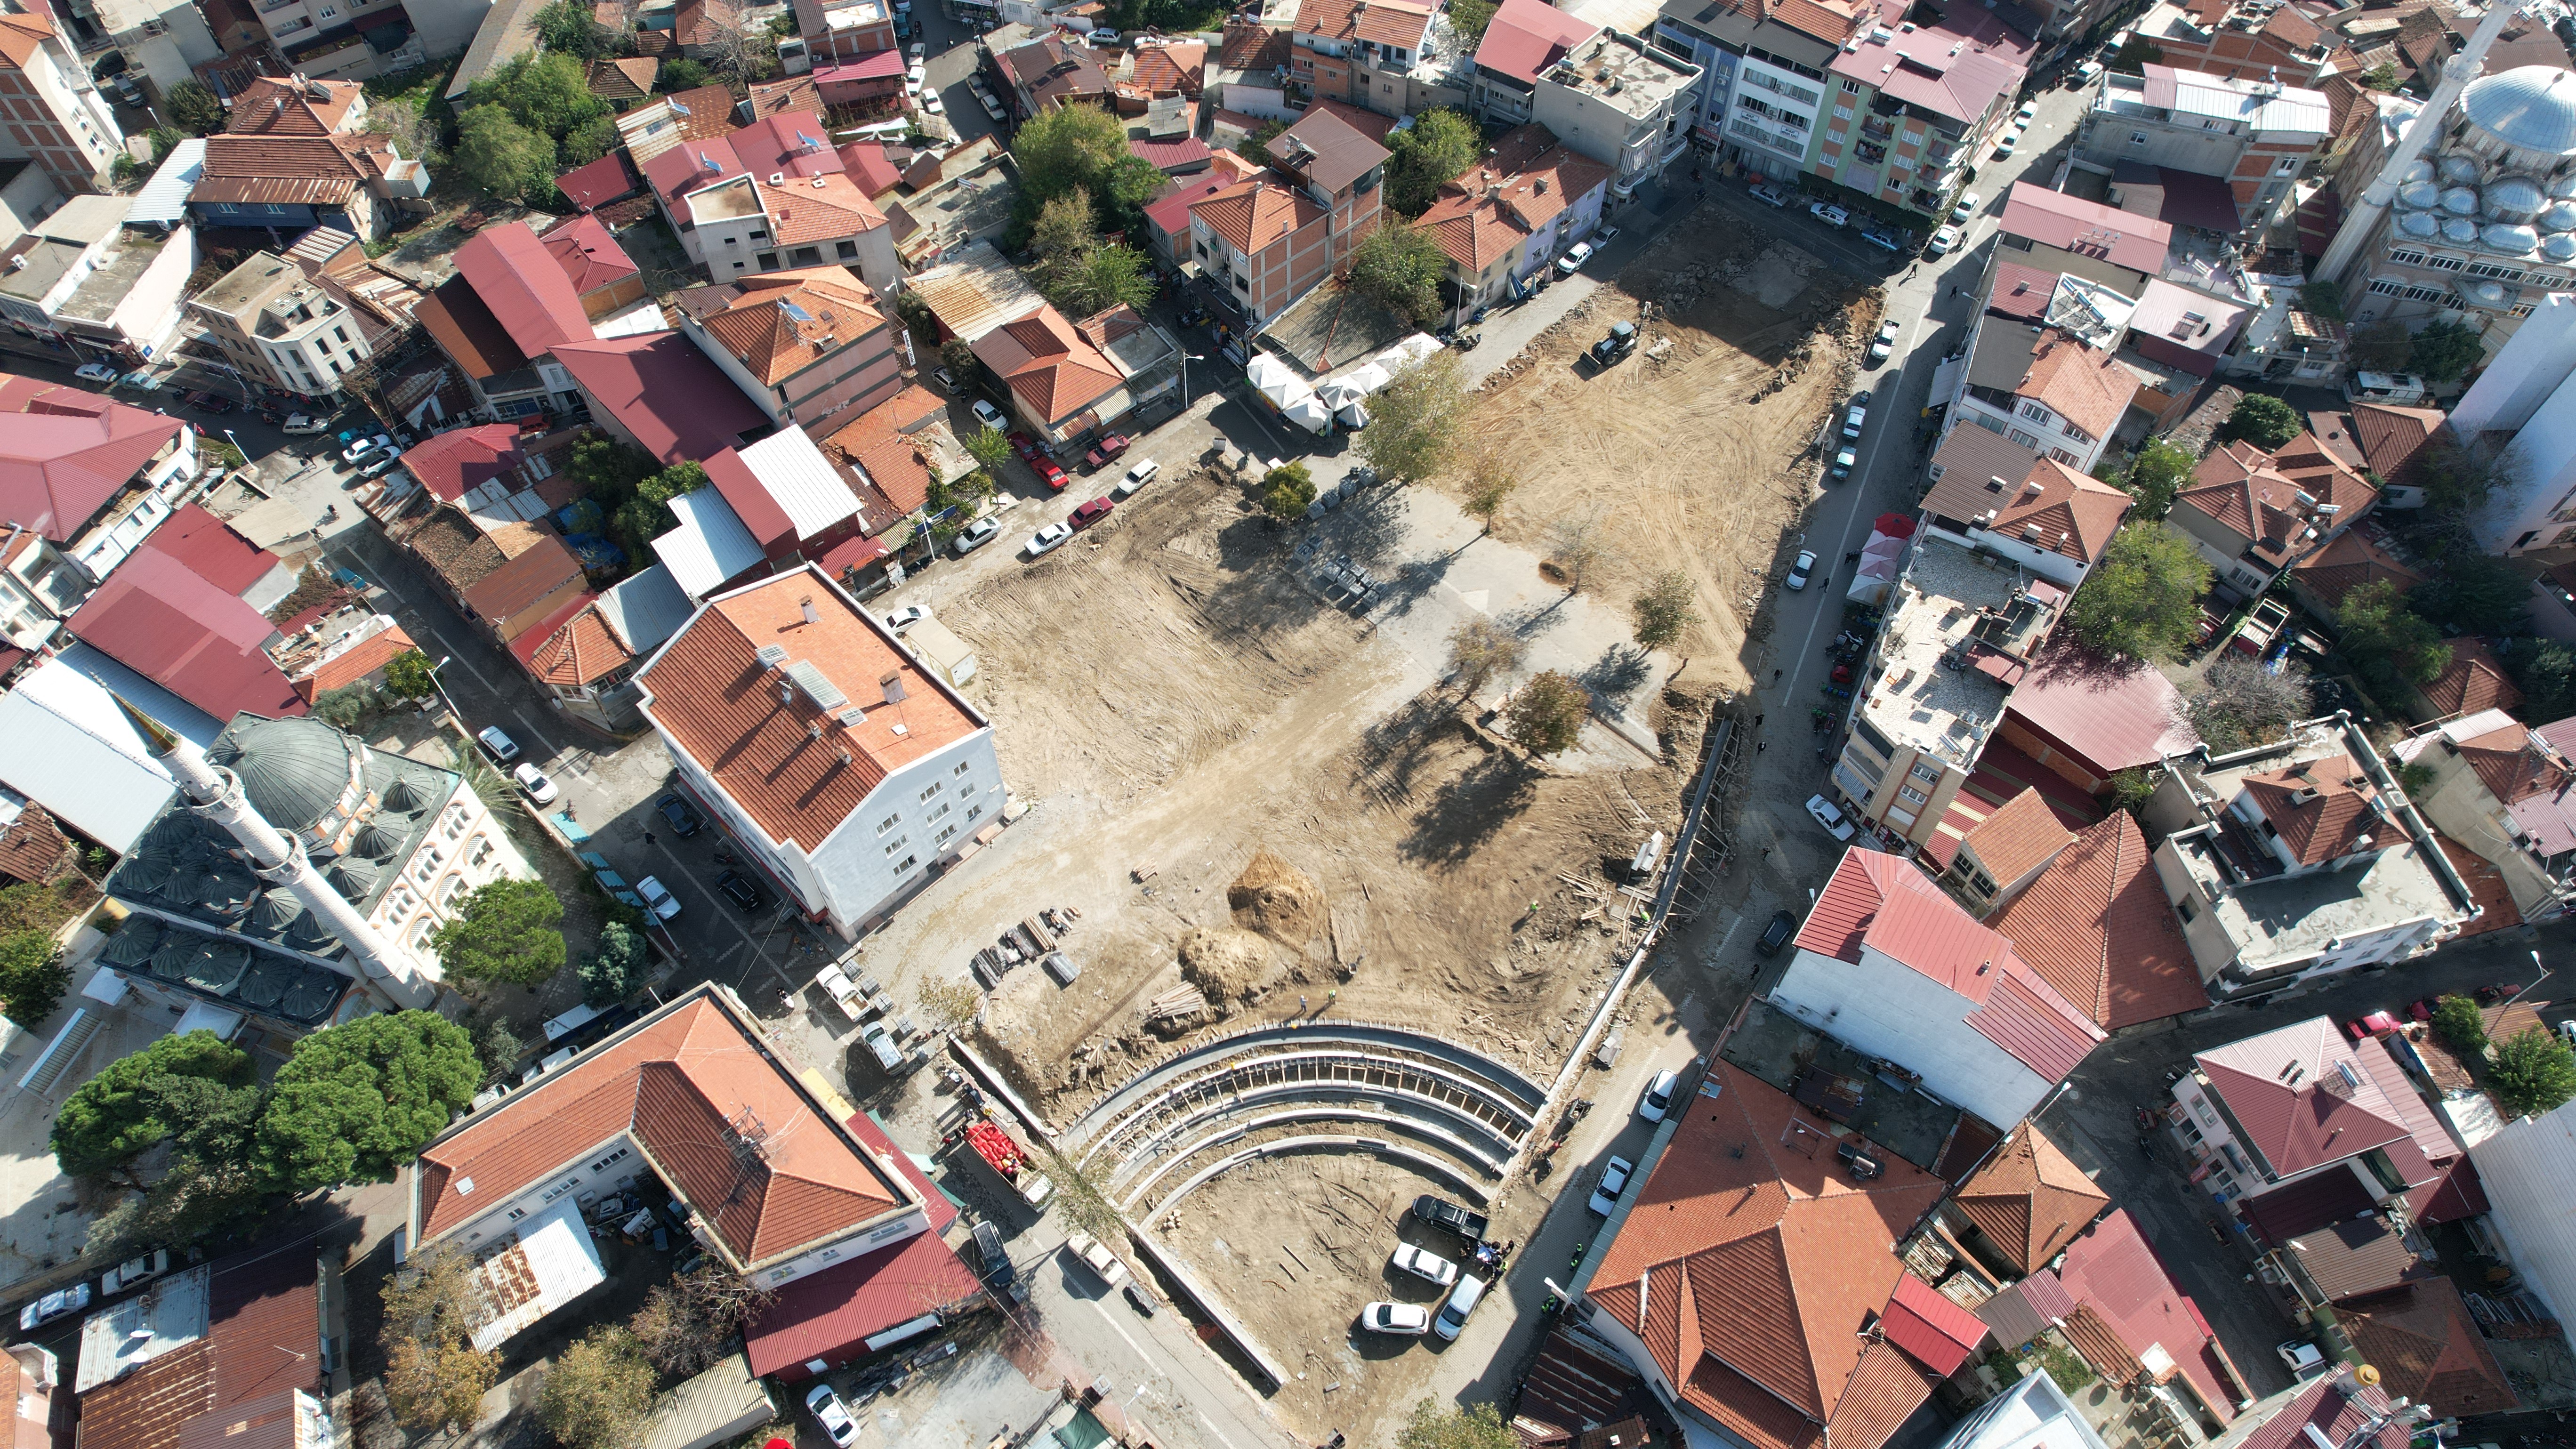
x=1335, y=941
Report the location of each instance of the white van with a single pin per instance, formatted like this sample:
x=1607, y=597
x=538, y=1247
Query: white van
x=1462, y=1301
x=879, y=131
x=2390, y=389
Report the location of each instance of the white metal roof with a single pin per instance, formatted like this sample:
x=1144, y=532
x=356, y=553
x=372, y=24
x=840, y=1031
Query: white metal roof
x=2263, y=105
x=74, y=752
x=804, y=484
x=646, y=609
x=710, y=545
x=552, y=1264
x=163, y=201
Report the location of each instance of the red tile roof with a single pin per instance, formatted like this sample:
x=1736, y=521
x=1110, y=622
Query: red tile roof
x=159, y=619
x=207, y=547
x=680, y=1084
x=777, y=97
x=1525, y=37
x=2019, y=837
x=575, y=647
x=65, y=452
x=2392, y=439
x=829, y=1315
x=2096, y=926
x=2029, y=1199
x=2110, y=715
x=1172, y=156
x=513, y=271
x=272, y=106
x=757, y=327
x=881, y=441
x=1939, y=1333
x=711, y=696
x=1525, y=183
x=2472, y=681
x=2336, y=1414
x=1254, y=214
x=674, y=402
x=1170, y=68
x=2352, y=560
x=1049, y=364
x=2113, y=1271
x=1381, y=22
x=1752, y=1265
x=589, y=256
x=2087, y=386
x=2427, y=1348
x=529, y=577
x=33, y=847
x=455, y=463
x=865, y=163
x=2043, y=503
x=2321, y=809
x=356, y=662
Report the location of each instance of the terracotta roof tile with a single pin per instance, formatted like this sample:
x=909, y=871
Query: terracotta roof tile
x=2392, y=439
x=681, y=1084
x=1760, y=1261
x=1252, y=46
x=757, y=328
x=882, y=442
x=581, y=650
x=2086, y=386
x=356, y=662
x=1043, y=359
x=2294, y=1128
x=1169, y=69
x=33, y=847
x=2096, y=926
x=1257, y=213
x=1529, y=180
x=2019, y=837
x=2350, y=561
x=1884, y=1391
x=274, y=106
x=630, y=79
x=2030, y=1199
x=2113, y=1271
x=711, y=695
x=2426, y=1347
x=2321, y=808
x=1381, y=22
x=2472, y=681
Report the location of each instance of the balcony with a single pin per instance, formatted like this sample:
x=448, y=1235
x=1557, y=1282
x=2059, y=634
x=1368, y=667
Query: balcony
x=1878, y=130
x=1870, y=155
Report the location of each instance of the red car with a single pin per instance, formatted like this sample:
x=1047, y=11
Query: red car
x=2378, y=1023
x=1027, y=448
x=1110, y=447
x=1049, y=474
x=1091, y=513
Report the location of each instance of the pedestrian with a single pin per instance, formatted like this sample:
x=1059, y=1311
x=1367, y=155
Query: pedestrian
x=1775, y=676
x=1758, y=719
x=1760, y=746
x=648, y=838
x=1301, y=1006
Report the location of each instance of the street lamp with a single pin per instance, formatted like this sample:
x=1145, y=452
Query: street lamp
x=2535, y=981
x=440, y=685
x=1188, y=357
x=238, y=450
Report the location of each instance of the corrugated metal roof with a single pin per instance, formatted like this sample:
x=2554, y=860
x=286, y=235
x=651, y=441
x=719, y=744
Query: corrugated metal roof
x=1939, y=1333
x=709, y=547
x=2263, y=105
x=802, y=480
x=646, y=609
x=2276, y=1084
x=2025, y=1310
x=163, y=201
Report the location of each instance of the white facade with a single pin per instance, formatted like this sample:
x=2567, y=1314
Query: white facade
x=169, y=481
x=2526, y=1168
x=57, y=82
x=2032, y=1414
x=469, y=848
x=1882, y=1007
x=2036, y=426
x=2530, y=390
x=1775, y=107
x=1623, y=103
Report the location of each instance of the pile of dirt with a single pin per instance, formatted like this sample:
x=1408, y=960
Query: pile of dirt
x=1227, y=966
x=1277, y=899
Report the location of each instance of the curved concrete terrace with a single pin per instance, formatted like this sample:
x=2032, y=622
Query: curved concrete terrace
x=1134, y=1197
x=1504, y=1081
x=1325, y=1071
x=1479, y=1143
x=1280, y=1147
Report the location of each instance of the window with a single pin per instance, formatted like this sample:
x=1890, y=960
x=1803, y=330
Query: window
x=1842, y=113
x=2521, y=309
x=342, y=333
x=619, y=1155
x=2036, y=412
x=1982, y=883
x=2188, y=908
x=2427, y=294
x=962, y=767
x=758, y=235
x=1851, y=87
x=2065, y=457
x=806, y=257
x=887, y=823
x=767, y=260
x=2288, y=166
x=1928, y=774
x=944, y=808
x=905, y=864
x=1910, y=794
x=2446, y=264
x=935, y=787
x=2137, y=138
x=2491, y=269
x=972, y=811
x=2027, y=440
x=517, y=1213
x=2406, y=258
x=896, y=844
x=944, y=834
x=845, y=250
x=2387, y=286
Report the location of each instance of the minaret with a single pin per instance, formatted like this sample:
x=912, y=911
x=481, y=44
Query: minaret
x=279, y=859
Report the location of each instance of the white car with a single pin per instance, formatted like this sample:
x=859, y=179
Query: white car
x=2301, y=1358
x=1104, y=36
x=2088, y=72
x=499, y=746
x=1424, y=1264
x=1048, y=537
x=534, y=784
x=905, y=617
x=1614, y=1181
x=989, y=415
x=57, y=1303
x=361, y=450
x=1770, y=195
x=832, y=1414
x=1096, y=1256
x=2023, y=117
x=134, y=1271
x=302, y=423
x=975, y=535
x=1884, y=343
x=1829, y=817
x=1657, y=1099
x=912, y=78
x=1942, y=240
x=1969, y=201
x=1828, y=213
x=1574, y=258
x=95, y=372
x=1137, y=477
x=659, y=901
x=1858, y=418
x=1411, y=1319
x=921, y=51
x=1802, y=570
x=931, y=102
x=2004, y=148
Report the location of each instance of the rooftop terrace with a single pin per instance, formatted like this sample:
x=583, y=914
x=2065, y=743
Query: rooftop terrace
x=1839, y=1084
x=1950, y=652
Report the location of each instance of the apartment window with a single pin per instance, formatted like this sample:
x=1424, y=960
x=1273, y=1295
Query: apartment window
x=1910, y=795
x=935, y=787
x=2027, y=440
x=1842, y=113
x=2036, y=412
x=887, y=823
x=1928, y=774
x=1851, y=87
x=845, y=250
x=806, y=257
x=341, y=333
x=759, y=235
x=2521, y=309
x=2427, y=294
x=896, y=844
x=733, y=241
x=620, y=1155
x=2288, y=166
x=2137, y=138
x=944, y=834
x=2407, y=258
x=944, y=807
x=972, y=811
x=2188, y=909
x=2490, y=269
x=905, y=864
x=2387, y=286
x=767, y=260
x=2446, y=264
x=517, y=1213
x=2065, y=457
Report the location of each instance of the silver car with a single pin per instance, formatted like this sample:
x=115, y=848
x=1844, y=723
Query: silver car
x=1048, y=537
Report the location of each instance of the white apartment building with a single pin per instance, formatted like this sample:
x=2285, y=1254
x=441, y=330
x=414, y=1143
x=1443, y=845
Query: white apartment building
x=56, y=115
x=278, y=326
x=93, y=279
x=1623, y=103
x=850, y=773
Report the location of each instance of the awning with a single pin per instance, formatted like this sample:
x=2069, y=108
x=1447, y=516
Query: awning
x=1945, y=382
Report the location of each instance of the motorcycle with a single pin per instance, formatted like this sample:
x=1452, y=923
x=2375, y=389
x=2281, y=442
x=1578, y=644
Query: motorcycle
x=1838, y=691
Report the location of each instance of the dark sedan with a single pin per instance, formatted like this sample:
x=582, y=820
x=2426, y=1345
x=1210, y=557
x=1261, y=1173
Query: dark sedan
x=742, y=890
x=683, y=820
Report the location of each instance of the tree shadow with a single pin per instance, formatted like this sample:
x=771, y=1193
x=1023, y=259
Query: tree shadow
x=1468, y=811
x=1617, y=673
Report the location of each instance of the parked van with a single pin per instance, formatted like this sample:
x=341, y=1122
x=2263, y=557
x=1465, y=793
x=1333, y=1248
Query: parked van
x=879, y=131
x=1462, y=1301
x=2391, y=389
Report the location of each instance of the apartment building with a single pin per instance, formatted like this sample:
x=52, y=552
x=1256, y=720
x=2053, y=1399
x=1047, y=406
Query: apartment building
x=2252, y=515
x=1523, y=40
x=1914, y=105
x=2260, y=135
x=165, y=40
x=286, y=185
x=274, y=324
x=803, y=344
x=2043, y=388
x=82, y=274
x=2507, y=792
x=1992, y=493
x=88, y=480
x=2257, y=40
x=770, y=196
x=2528, y=394
x=1764, y=68
x=1510, y=216
x=1622, y=103
x=330, y=39
x=56, y=116
x=1273, y=239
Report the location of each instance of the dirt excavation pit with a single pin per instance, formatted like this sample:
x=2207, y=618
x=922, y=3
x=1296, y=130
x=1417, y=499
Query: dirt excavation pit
x=1693, y=454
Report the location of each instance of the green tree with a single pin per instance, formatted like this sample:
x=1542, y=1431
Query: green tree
x=498, y=155
x=1286, y=490
x=598, y=1394
x=1256, y=147
x=1066, y=229
x=990, y=445
x=2457, y=1021
x=566, y=26
x=505, y=933
x=610, y=470
x=1434, y=1425
x=1664, y=610
x=143, y=1100
x=2381, y=77
x=1469, y=18
x=958, y=356
x=2130, y=791
x=193, y=108
x=412, y=130
x=408, y=676
x=2137, y=55
x=497, y=1047
x=677, y=481
x=1426, y=156
x=588, y=142
x=548, y=94
x=2388, y=645
x=354, y=1102
x=1105, y=277
x=2380, y=346
x=1080, y=146
x=680, y=74
x=2532, y=1074
x=2545, y=670
x=2457, y=477
x=1490, y=484
x=2263, y=420
x=2242, y=703
x=2323, y=299
x=617, y=967
x=1479, y=649
x=2143, y=600
x=433, y=1376
x=1546, y=715
x=2443, y=350
x=1417, y=420
x=2473, y=593
x=1399, y=267
x=2156, y=474
x=33, y=977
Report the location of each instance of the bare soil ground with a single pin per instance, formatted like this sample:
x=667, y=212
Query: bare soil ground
x=1693, y=454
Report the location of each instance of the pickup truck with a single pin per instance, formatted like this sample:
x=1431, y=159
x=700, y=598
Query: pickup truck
x=1096, y=1256
x=1450, y=1218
